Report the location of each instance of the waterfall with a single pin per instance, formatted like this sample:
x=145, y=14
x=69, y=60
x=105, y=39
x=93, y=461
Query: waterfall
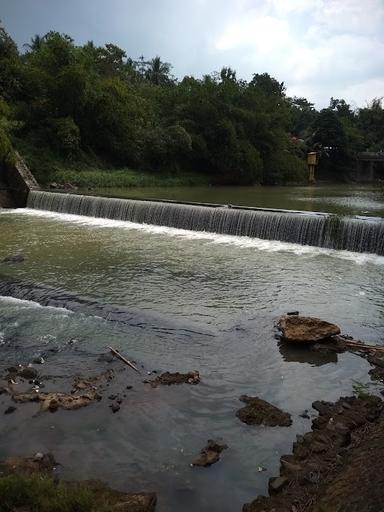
x=357, y=234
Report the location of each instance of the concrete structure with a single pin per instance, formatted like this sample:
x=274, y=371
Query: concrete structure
x=15, y=183
x=369, y=166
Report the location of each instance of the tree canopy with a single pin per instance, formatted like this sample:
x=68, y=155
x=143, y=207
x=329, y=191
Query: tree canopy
x=89, y=99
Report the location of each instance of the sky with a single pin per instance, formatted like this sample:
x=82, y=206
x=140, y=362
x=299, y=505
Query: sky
x=318, y=48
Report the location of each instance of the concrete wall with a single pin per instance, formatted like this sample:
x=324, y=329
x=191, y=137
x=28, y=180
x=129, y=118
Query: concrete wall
x=18, y=181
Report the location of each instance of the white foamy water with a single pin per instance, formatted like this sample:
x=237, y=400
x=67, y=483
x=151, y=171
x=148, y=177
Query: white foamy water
x=270, y=246
x=28, y=304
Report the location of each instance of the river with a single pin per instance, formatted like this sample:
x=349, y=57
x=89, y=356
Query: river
x=340, y=199
x=175, y=300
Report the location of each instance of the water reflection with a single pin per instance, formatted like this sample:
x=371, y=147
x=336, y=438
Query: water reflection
x=306, y=354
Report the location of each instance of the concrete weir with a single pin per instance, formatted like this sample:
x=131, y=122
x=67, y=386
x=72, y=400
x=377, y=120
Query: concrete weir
x=356, y=234
x=16, y=182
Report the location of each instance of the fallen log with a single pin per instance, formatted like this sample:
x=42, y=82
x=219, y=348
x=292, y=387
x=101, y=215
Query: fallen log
x=122, y=358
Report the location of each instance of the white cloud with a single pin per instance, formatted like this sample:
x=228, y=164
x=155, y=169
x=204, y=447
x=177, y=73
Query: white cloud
x=261, y=33
x=323, y=47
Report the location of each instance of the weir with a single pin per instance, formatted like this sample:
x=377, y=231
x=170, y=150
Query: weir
x=357, y=234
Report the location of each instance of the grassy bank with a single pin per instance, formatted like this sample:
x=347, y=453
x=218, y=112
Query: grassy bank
x=90, y=171
x=41, y=493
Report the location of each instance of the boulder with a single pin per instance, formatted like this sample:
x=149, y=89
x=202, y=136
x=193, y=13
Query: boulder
x=306, y=329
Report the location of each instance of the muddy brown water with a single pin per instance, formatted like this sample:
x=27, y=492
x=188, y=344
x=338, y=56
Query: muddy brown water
x=176, y=301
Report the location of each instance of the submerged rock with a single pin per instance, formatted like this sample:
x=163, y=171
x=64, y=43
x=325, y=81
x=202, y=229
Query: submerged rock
x=27, y=373
x=167, y=378
x=260, y=412
x=210, y=454
x=14, y=258
x=304, y=329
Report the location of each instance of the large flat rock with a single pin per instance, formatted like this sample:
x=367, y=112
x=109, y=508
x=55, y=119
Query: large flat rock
x=306, y=329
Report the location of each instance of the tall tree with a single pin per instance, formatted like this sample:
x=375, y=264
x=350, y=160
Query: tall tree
x=158, y=72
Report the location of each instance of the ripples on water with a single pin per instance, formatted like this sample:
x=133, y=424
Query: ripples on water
x=176, y=301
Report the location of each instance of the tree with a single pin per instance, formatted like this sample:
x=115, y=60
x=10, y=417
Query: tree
x=268, y=85
x=35, y=44
x=302, y=116
x=7, y=154
x=9, y=66
x=370, y=121
x=158, y=72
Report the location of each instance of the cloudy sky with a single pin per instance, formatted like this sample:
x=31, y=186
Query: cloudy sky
x=319, y=48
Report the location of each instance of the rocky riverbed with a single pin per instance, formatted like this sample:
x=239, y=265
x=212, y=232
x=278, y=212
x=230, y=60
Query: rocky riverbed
x=337, y=463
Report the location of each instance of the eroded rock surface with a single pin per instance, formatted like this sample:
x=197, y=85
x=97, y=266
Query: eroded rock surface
x=260, y=412
x=306, y=329
x=53, y=401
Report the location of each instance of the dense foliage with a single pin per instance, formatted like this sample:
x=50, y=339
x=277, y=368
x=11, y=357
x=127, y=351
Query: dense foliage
x=89, y=101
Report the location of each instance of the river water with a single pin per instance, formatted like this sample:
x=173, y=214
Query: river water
x=340, y=199
x=174, y=300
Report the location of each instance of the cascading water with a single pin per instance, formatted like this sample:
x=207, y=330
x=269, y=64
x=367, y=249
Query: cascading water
x=357, y=234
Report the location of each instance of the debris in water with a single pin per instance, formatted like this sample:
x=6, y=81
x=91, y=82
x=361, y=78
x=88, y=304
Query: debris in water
x=122, y=358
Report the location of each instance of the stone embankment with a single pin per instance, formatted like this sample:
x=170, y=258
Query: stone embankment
x=335, y=467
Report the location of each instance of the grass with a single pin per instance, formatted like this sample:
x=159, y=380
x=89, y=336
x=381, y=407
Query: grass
x=90, y=171
x=39, y=493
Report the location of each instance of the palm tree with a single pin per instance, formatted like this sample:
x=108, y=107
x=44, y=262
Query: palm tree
x=35, y=43
x=158, y=72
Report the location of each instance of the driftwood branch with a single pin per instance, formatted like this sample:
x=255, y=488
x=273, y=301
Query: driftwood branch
x=122, y=358
x=363, y=346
